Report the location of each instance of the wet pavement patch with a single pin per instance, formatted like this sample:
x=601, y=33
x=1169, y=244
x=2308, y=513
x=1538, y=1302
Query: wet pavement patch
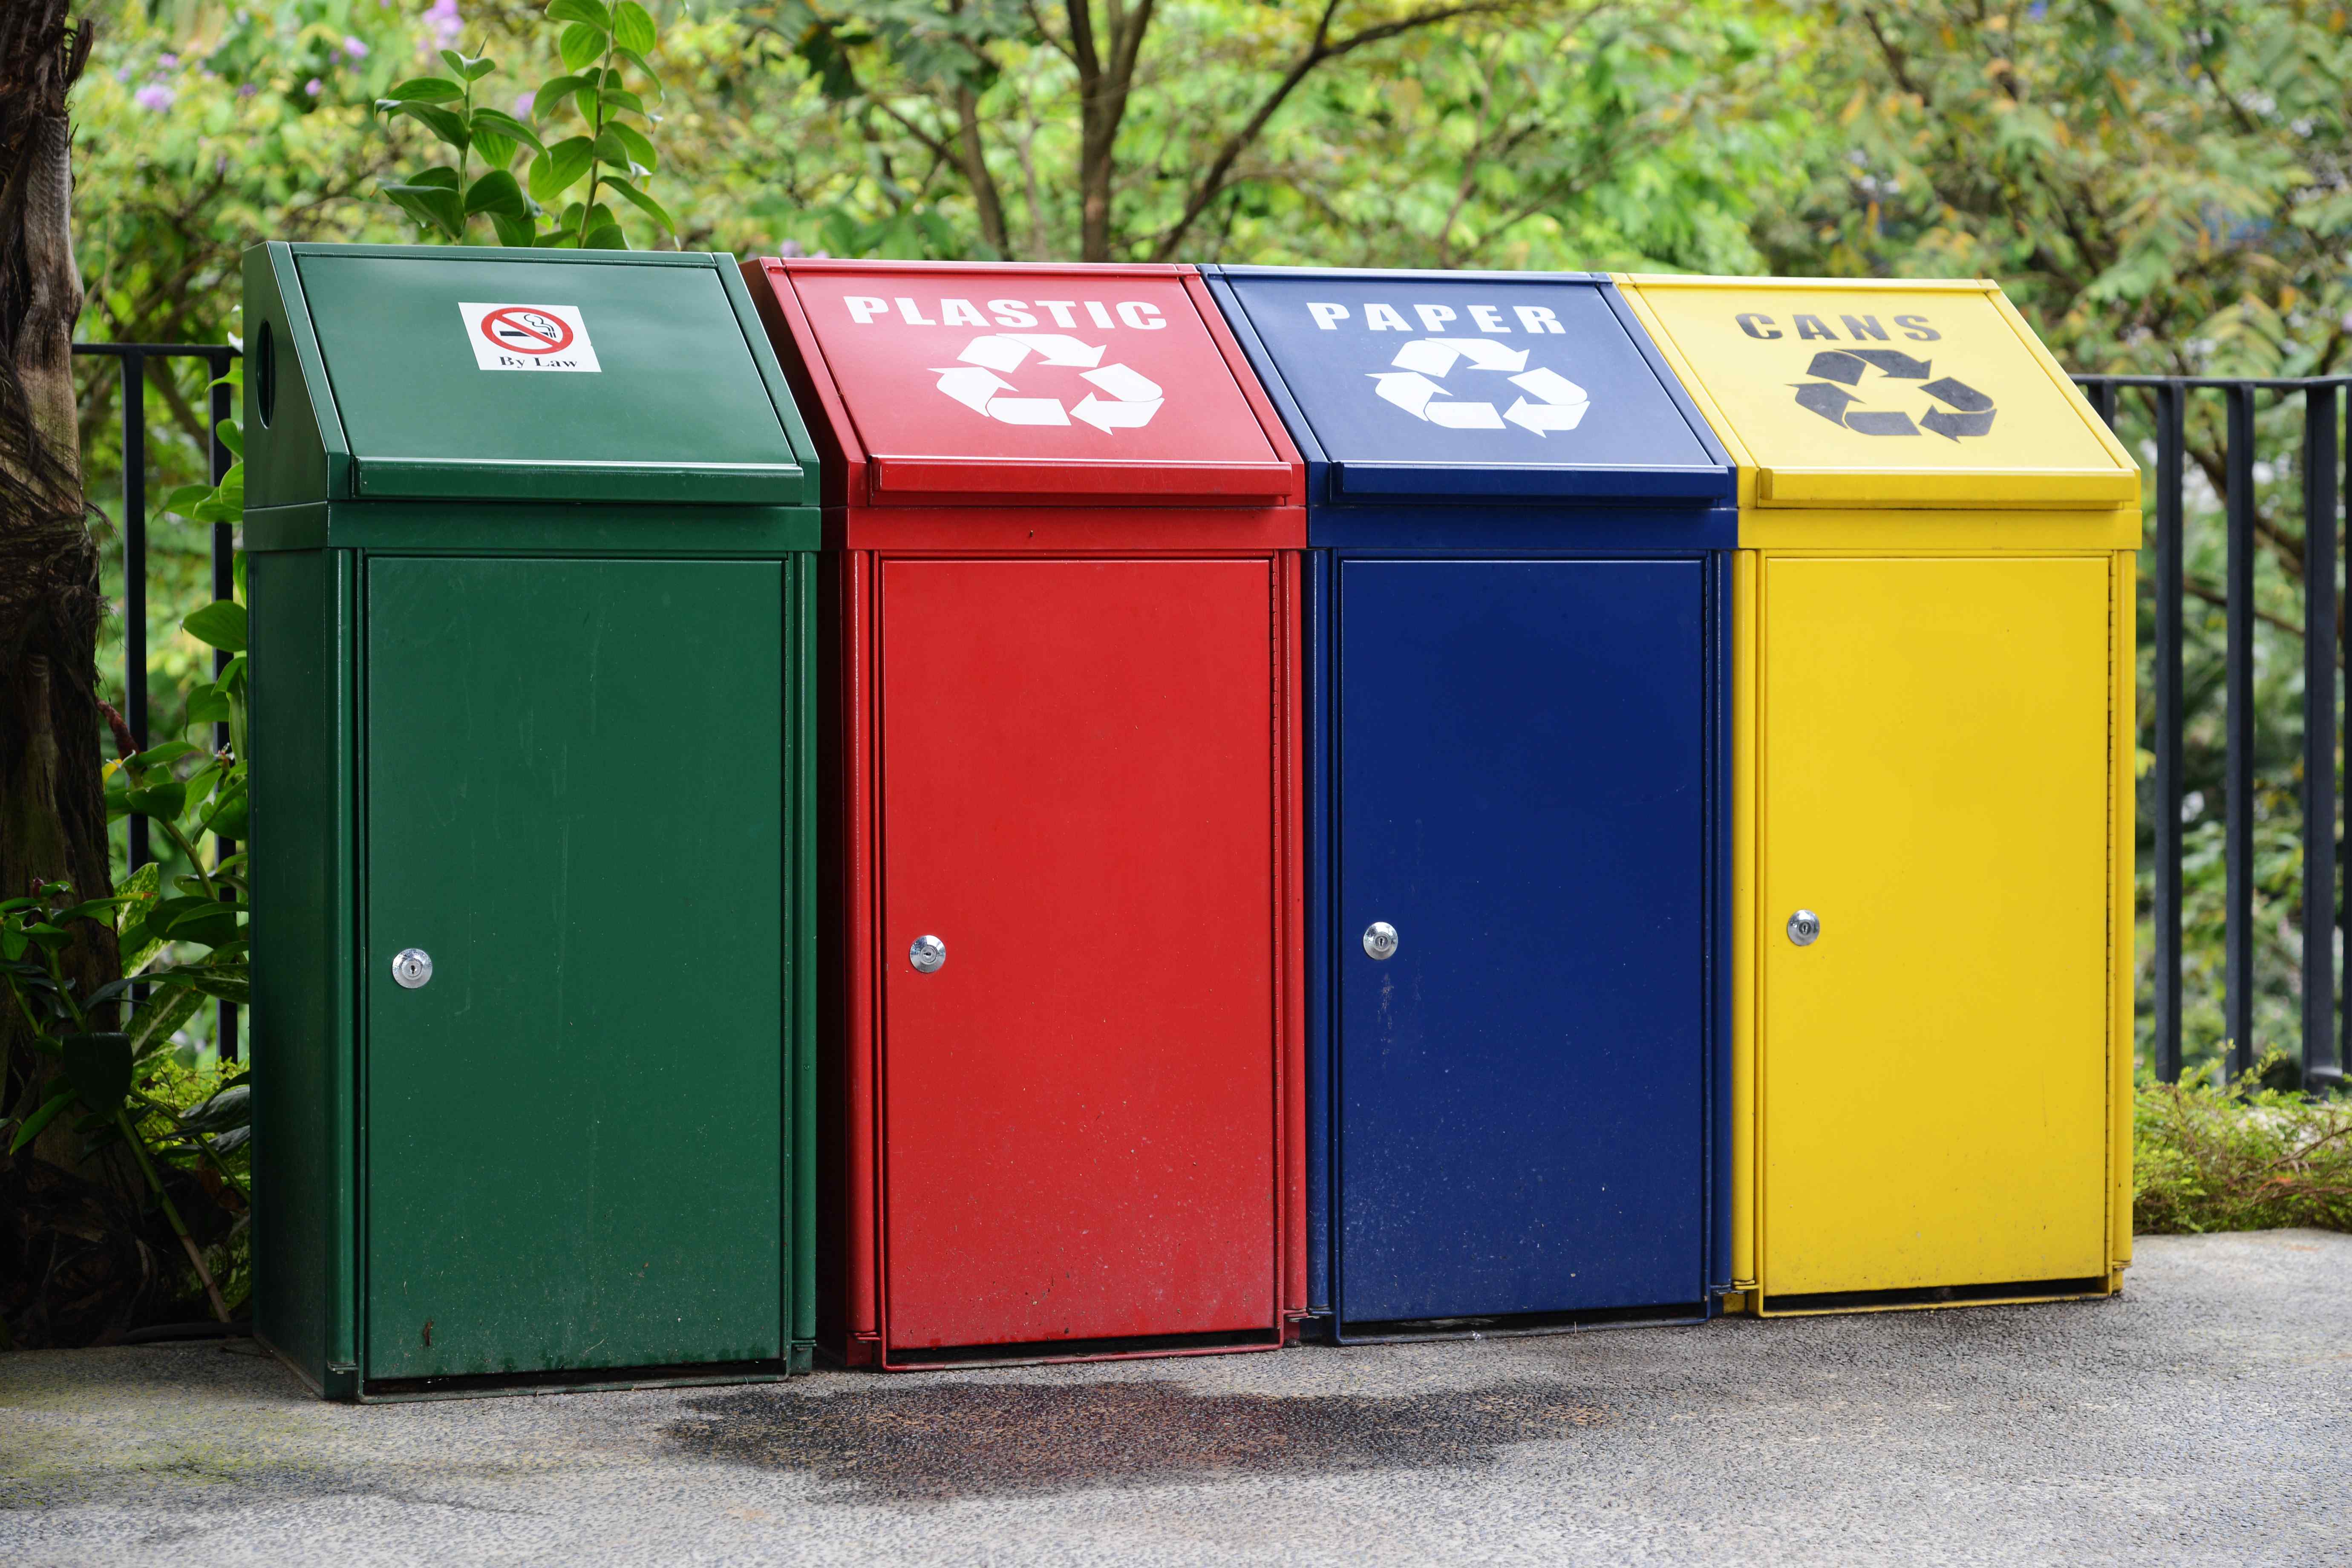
x=941, y=1442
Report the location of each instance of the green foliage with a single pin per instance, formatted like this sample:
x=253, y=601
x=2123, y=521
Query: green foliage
x=2162, y=186
x=182, y=943
x=2209, y=1157
x=603, y=49
x=1543, y=133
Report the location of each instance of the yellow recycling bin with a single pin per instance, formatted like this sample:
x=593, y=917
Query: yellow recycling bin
x=1932, y=811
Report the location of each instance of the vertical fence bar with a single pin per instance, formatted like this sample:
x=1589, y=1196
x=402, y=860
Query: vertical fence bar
x=2171, y=564
x=224, y=587
x=134, y=573
x=2237, y=935
x=2319, y=1062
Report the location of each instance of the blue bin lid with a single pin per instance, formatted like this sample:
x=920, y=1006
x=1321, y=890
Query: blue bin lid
x=1450, y=386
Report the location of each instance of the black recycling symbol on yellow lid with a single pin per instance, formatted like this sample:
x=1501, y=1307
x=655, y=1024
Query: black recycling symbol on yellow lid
x=1968, y=412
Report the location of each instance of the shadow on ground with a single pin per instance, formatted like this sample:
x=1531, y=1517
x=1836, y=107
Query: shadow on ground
x=942, y=1442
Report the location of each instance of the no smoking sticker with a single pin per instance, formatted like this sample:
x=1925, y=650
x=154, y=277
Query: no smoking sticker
x=528, y=337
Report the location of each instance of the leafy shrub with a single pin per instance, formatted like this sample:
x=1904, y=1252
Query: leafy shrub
x=2210, y=1156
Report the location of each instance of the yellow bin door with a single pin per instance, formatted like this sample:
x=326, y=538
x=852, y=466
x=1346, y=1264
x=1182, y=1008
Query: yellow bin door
x=1933, y=732
x=1935, y=788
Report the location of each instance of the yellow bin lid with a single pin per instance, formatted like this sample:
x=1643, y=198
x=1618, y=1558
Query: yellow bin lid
x=1869, y=392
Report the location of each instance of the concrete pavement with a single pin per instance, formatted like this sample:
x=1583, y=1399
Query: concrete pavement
x=2203, y=1417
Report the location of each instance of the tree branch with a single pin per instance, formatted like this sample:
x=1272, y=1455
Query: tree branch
x=1320, y=49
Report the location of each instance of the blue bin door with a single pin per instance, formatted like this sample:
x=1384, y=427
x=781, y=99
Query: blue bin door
x=1521, y=1086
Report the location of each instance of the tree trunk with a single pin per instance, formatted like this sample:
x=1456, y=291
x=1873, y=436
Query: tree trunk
x=52, y=810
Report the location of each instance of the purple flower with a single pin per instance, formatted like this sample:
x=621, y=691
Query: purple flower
x=247, y=90
x=168, y=62
x=155, y=97
x=523, y=106
x=443, y=18
x=310, y=87
x=123, y=75
x=353, y=49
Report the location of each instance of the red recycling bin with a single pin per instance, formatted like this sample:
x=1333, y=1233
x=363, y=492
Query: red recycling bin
x=1064, y=998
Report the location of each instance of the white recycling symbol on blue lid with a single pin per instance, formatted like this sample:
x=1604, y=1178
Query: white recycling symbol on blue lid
x=1558, y=404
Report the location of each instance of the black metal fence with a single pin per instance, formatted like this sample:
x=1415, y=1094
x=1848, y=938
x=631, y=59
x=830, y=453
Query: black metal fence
x=132, y=359
x=2167, y=403
x=2163, y=403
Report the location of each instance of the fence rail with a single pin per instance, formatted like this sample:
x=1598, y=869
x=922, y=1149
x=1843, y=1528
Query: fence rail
x=2326, y=1039
x=2326, y=1044
x=134, y=358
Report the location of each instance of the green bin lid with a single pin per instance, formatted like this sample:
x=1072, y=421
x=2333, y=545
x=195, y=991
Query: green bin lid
x=460, y=374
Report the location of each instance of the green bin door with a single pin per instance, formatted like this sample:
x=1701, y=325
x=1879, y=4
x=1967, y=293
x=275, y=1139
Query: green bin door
x=575, y=805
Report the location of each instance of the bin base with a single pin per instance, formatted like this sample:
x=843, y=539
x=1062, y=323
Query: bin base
x=1998, y=1293
x=390, y=1389
x=935, y=1358
x=1517, y=1325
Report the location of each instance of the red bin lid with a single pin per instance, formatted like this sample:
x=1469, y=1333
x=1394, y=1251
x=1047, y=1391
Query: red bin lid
x=954, y=381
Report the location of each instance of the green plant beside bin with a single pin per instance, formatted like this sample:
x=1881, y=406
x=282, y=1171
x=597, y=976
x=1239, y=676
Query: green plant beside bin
x=115, y=1082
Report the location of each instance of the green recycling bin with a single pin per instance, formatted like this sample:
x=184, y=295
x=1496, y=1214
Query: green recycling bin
x=530, y=541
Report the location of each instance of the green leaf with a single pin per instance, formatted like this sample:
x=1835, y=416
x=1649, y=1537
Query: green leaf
x=433, y=206
x=554, y=92
x=514, y=231
x=40, y=1121
x=621, y=97
x=605, y=236
x=134, y=890
x=473, y=68
x=232, y=674
x=108, y=992
x=225, y=985
x=495, y=151
x=230, y=1108
x=13, y=943
x=497, y=192
x=588, y=11
x=448, y=124
x=221, y=625
x=643, y=202
x=210, y=925
x=641, y=150
x=421, y=89
x=499, y=122
x=89, y=910
x=231, y=436
x=653, y=77
x=183, y=501
x=208, y=705
x=56, y=939
x=166, y=1008
x=163, y=802
x=231, y=818
x=581, y=46
x=98, y=1068
x=613, y=151
x=632, y=27
x=559, y=168
x=156, y=756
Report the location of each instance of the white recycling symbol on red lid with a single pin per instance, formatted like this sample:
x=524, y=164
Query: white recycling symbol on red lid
x=1559, y=403
x=1129, y=398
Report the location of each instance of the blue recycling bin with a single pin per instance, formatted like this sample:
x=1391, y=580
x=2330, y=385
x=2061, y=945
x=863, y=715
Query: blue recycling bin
x=1519, y=838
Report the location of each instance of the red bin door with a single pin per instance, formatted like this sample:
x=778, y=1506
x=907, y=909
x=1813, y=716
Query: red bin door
x=1078, y=794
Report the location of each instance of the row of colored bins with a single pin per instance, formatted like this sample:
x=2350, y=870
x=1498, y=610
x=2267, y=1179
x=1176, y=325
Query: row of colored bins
x=977, y=813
